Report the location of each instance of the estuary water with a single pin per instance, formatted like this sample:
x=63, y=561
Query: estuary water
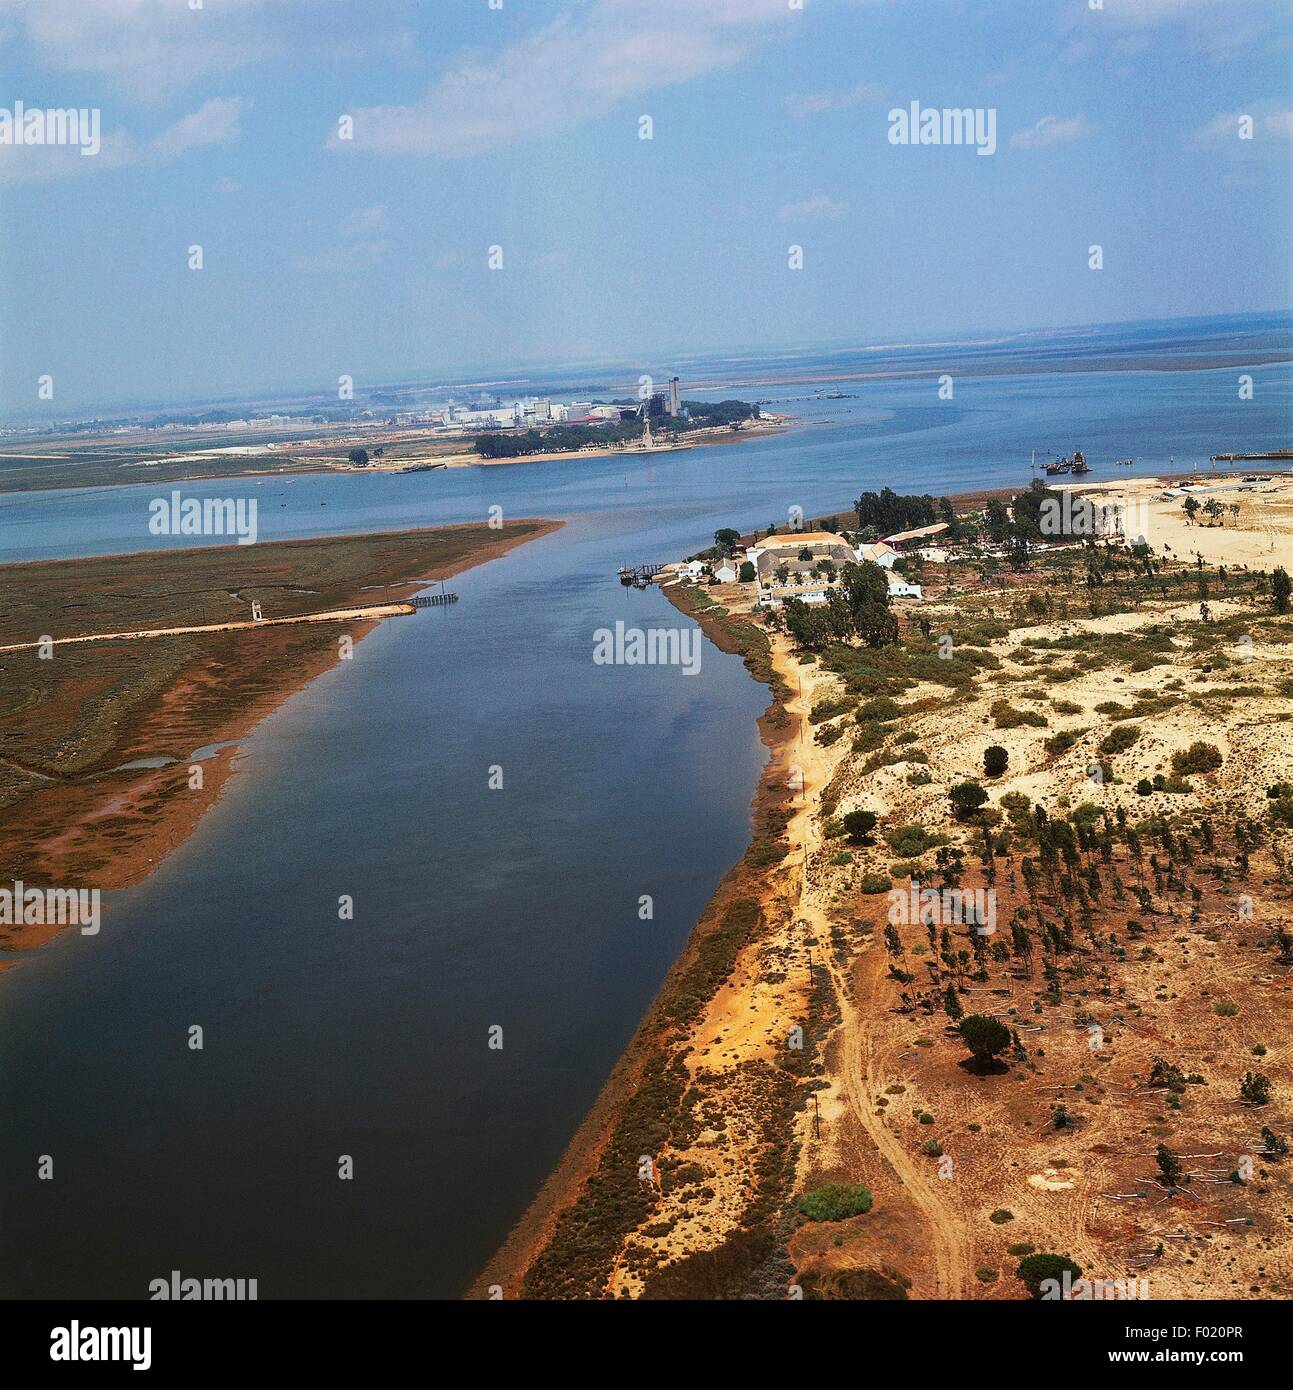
x=474, y=908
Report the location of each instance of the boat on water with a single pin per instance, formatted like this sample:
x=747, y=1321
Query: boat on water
x=1076, y=464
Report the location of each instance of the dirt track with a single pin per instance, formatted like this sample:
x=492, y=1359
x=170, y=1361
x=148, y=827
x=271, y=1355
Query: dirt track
x=862, y=1073
x=337, y=615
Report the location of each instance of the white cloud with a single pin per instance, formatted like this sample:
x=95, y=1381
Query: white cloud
x=1267, y=123
x=1052, y=130
x=215, y=122
x=154, y=47
x=813, y=103
x=161, y=41
x=41, y=163
x=1222, y=30
x=364, y=219
x=345, y=258
x=1138, y=12
x=578, y=68
x=819, y=205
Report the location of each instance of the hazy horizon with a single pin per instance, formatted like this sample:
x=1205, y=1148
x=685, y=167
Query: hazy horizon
x=1159, y=132
x=544, y=372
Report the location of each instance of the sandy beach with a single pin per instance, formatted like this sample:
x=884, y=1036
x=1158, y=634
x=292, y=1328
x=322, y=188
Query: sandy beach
x=1253, y=527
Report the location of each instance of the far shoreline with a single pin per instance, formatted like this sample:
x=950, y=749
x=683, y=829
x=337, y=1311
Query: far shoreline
x=702, y=438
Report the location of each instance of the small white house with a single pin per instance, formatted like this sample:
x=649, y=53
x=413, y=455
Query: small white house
x=691, y=569
x=901, y=588
x=726, y=571
x=879, y=554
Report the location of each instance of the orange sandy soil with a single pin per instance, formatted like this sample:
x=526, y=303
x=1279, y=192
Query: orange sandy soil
x=75, y=719
x=713, y=1091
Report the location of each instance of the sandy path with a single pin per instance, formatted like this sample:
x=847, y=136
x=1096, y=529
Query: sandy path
x=335, y=615
x=863, y=1078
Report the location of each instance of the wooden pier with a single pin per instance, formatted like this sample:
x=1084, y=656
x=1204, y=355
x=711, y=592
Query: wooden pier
x=639, y=575
x=434, y=600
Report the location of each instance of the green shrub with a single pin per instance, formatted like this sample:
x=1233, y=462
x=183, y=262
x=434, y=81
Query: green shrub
x=911, y=841
x=1062, y=741
x=1034, y=1270
x=984, y=1036
x=829, y=709
x=1120, y=739
x=1001, y=1216
x=1007, y=716
x=858, y=826
x=835, y=1201
x=1198, y=757
x=966, y=798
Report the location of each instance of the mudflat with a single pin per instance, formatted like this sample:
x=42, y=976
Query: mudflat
x=72, y=809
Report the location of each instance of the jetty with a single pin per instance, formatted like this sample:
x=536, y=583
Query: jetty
x=639, y=575
x=1241, y=458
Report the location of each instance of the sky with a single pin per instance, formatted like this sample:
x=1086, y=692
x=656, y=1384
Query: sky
x=347, y=166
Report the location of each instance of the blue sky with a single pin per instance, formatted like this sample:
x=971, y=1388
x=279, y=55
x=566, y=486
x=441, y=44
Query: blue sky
x=519, y=126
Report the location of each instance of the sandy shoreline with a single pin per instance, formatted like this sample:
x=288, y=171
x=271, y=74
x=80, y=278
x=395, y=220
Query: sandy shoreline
x=771, y=810
x=927, y=1236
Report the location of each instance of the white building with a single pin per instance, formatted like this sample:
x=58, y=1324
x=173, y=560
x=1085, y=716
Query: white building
x=782, y=574
x=901, y=588
x=879, y=554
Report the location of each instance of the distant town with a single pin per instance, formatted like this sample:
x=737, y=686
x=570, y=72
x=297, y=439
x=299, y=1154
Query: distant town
x=412, y=429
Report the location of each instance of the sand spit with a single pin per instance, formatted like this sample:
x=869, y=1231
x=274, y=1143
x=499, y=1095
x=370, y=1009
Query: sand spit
x=1133, y=958
x=72, y=810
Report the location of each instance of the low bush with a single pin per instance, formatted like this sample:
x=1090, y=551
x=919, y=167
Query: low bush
x=835, y=1201
x=1198, y=757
